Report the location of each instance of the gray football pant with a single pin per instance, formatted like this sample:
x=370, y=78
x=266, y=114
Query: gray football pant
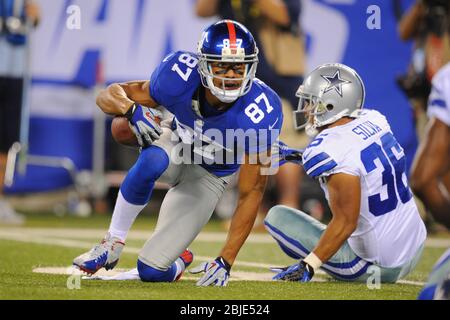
x=186, y=208
x=298, y=234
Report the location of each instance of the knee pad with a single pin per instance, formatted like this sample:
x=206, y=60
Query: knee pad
x=275, y=223
x=152, y=163
x=150, y=274
x=286, y=218
x=275, y=216
x=138, y=184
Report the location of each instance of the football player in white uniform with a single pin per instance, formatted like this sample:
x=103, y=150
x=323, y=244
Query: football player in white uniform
x=361, y=168
x=430, y=177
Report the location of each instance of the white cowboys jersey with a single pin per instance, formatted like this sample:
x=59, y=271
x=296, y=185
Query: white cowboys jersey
x=439, y=99
x=389, y=230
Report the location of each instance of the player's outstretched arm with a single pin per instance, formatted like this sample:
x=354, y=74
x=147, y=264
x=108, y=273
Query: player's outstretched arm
x=344, y=200
x=251, y=190
x=252, y=185
x=430, y=166
x=117, y=98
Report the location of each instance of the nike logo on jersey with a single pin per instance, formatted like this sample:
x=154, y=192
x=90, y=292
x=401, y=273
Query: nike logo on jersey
x=273, y=125
x=306, y=154
x=189, y=136
x=168, y=57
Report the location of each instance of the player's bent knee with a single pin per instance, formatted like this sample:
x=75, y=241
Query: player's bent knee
x=150, y=274
x=138, y=184
x=276, y=215
x=152, y=162
x=275, y=224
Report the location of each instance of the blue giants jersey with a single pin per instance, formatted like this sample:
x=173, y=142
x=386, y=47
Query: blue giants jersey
x=218, y=139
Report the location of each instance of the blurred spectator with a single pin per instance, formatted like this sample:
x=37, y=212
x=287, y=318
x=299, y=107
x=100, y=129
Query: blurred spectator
x=427, y=23
x=430, y=177
x=275, y=25
x=14, y=17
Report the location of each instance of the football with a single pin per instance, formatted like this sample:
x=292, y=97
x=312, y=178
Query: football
x=122, y=132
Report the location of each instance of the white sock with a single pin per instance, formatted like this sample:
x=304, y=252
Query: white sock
x=123, y=217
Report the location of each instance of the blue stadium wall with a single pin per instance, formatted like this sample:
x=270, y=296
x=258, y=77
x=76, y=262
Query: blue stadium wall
x=129, y=38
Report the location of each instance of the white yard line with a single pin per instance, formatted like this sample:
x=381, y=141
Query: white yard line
x=24, y=237
x=53, y=237
x=236, y=276
x=133, y=235
x=79, y=233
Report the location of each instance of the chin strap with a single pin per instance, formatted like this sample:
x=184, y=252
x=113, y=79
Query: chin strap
x=356, y=113
x=344, y=113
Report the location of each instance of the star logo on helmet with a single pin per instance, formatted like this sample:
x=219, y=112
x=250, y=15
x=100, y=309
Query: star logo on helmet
x=335, y=82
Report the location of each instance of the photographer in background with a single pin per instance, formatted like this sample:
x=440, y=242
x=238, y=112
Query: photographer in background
x=14, y=17
x=430, y=172
x=427, y=23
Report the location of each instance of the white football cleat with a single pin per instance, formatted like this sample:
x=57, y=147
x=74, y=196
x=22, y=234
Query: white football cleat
x=105, y=254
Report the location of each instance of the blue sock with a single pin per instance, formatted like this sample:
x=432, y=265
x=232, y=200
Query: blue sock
x=150, y=274
x=138, y=184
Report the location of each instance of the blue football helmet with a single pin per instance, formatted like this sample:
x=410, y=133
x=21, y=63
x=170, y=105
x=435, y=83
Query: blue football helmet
x=231, y=42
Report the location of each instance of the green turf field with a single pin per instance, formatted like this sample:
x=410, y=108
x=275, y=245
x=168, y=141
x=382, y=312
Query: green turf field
x=50, y=243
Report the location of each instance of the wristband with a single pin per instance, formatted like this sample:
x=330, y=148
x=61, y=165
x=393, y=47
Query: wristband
x=313, y=261
x=130, y=111
x=225, y=263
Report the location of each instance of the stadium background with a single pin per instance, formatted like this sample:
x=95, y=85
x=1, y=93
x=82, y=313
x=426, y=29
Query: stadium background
x=127, y=39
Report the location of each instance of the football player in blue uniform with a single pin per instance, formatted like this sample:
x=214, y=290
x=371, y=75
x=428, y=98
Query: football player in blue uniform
x=223, y=119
